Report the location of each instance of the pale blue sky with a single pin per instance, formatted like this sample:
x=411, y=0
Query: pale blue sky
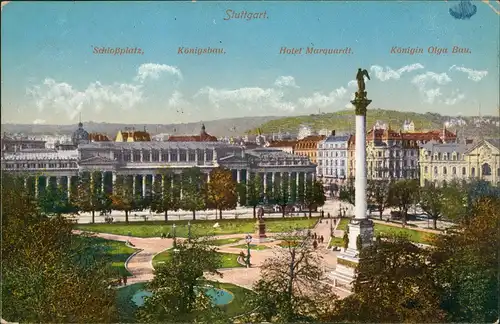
x=50, y=73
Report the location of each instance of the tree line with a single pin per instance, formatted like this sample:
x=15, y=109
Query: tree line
x=452, y=200
x=171, y=192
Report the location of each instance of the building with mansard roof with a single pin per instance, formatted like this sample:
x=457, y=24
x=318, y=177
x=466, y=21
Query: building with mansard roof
x=444, y=162
x=144, y=160
x=392, y=154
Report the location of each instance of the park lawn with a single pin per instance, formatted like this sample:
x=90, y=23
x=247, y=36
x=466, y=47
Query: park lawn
x=117, y=251
x=413, y=235
x=229, y=260
x=343, y=224
x=257, y=247
x=127, y=308
x=336, y=241
x=198, y=227
x=225, y=241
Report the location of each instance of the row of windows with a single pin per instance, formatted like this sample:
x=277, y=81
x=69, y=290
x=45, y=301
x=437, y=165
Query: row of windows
x=398, y=153
x=331, y=145
x=331, y=154
x=393, y=174
x=332, y=172
x=155, y=156
x=332, y=162
x=20, y=166
x=397, y=164
x=485, y=170
x=444, y=156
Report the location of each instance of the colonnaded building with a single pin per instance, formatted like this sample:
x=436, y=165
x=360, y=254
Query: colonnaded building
x=134, y=154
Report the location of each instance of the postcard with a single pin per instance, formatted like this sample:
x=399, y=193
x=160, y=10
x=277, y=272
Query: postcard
x=250, y=161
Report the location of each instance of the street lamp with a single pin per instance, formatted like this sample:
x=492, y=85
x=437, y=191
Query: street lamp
x=189, y=231
x=173, y=232
x=248, y=239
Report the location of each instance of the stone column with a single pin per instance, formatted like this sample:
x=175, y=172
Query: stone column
x=47, y=181
x=103, y=177
x=160, y=155
x=59, y=181
x=196, y=156
x=360, y=226
x=265, y=183
x=68, y=183
x=290, y=185
x=178, y=155
x=169, y=155
x=204, y=156
x=238, y=176
x=142, y=156
x=134, y=178
x=144, y=178
x=273, y=179
x=248, y=176
x=37, y=179
x=114, y=181
x=187, y=155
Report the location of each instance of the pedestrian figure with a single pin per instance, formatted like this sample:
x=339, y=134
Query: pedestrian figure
x=124, y=280
x=328, y=215
x=308, y=233
x=322, y=239
x=315, y=244
x=119, y=281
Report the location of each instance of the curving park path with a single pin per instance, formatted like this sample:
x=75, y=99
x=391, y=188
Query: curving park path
x=140, y=263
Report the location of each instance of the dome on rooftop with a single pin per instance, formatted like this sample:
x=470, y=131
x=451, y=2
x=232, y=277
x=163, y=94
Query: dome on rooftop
x=80, y=136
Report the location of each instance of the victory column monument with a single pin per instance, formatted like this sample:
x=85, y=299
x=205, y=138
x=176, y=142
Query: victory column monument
x=360, y=225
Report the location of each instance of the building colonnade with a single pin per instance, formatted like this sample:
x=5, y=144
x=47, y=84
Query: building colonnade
x=143, y=182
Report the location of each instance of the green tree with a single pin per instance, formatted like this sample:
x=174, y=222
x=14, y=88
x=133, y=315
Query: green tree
x=394, y=284
x=315, y=196
x=255, y=192
x=222, y=191
x=177, y=287
x=54, y=201
x=291, y=289
x=403, y=194
x=347, y=191
x=165, y=195
x=88, y=193
x=301, y=190
x=43, y=279
x=432, y=202
x=281, y=194
x=193, y=195
x=466, y=263
x=378, y=192
x=123, y=195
